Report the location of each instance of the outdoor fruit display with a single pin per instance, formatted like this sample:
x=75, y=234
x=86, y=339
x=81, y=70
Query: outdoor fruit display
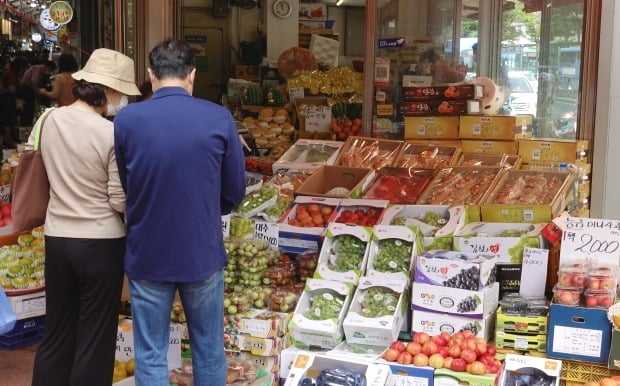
x=326, y=305
x=461, y=352
x=311, y=215
x=399, y=186
x=5, y=214
x=347, y=253
x=22, y=265
x=253, y=202
x=367, y=153
x=425, y=159
x=455, y=185
x=393, y=255
x=364, y=216
x=379, y=301
x=344, y=127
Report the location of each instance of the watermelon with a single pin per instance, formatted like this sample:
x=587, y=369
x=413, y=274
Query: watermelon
x=339, y=109
x=254, y=96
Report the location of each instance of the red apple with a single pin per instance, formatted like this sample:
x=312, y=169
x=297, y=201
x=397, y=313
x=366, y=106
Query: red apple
x=591, y=301
x=468, y=355
x=492, y=369
x=455, y=351
x=472, y=344
x=605, y=301
x=414, y=348
x=391, y=355
x=436, y=361
x=421, y=337
x=7, y=220
x=458, y=364
x=579, y=280
x=404, y=358
x=430, y=348
x=447, y=362
x=467, y=333
x=594, y=284
x=420, y=360
x=6, y=210
x=398, y=345
x=481, y=348
x=486, y=358
x=608, y=284
x=444, y=352
x=440, y=340
x=491, y=349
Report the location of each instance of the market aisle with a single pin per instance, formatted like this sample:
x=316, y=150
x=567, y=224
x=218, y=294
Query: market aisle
x=16, y=366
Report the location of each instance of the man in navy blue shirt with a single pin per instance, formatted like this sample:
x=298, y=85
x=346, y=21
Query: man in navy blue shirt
x=181, y=164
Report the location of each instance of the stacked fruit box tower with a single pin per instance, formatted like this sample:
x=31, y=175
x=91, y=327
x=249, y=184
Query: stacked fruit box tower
x=453, y=292
x=522, y=324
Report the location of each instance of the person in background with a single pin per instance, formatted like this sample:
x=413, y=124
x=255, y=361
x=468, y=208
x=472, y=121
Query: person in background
x=181, y=165
x=146, y=91
x=63, y=82
x=33, y=79
x=9, y=83
x=84, y=231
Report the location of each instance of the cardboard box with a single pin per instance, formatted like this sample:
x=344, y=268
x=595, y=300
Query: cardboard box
x=527, y=213
x=405, y=375
x=29, y=305
x=427, y=297
x=439, y=107
x=503, y=240
x=308, y=154
x=501, y=127
x=578, y=333
x=245, y=71
x=509, y=278
x=434, y=323
x=125, y=347
x=482, y=159
x=310, y=365
x=359, y=352
x=439, y=267
x=263, y=323
x=399, y=185
x=405, y=237
x=261, y=347
x=520, y=342
x=296, y=239
x=445, y=377
x=325, y=333
x=326, y=268
x=356, y=180
x=432, y=127
x=301, y=106
x=368, y=152
x=489, y=147
x=287, y=357
x=376, y=331
x=521, y=324
x=413, y=216
x=515, y=366
x=468, y=91
x=426, y=156
x=552, y=150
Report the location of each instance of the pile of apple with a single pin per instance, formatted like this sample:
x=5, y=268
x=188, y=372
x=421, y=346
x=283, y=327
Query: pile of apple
x=462, y=351
x=311, y=215
x=613, y=381
x=5, y=214
x=597, y=284
x=360, y=216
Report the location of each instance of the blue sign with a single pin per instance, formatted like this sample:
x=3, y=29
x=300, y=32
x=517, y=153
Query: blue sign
x=391, y=42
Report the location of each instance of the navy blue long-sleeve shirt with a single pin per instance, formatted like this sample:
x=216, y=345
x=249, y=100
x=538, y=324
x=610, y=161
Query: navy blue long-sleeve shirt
x=182, y=166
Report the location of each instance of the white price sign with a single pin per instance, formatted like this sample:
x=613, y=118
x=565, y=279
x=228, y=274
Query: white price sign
x=318, y=118
x=226, y=225
x=5, y=193
x=534, y=271
x=295, y=92
x=267, y=231
x=590, y=239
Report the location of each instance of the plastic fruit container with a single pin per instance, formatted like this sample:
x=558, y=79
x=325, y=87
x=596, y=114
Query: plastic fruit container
x=283, y=301
x=566, y=296
x=602, y=278
x=572, y=277
x=599, y=299
x=278, y=276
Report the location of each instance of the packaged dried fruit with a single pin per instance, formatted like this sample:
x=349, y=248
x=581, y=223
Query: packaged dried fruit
x=399, y=185
x=369, y=153
x=425, y=157
x=479, y=159
x=528, y=188
x=459, y=185
x=278, y=276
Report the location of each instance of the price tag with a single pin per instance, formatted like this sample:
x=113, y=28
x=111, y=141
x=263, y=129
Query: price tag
x=295, y=92
x=590, y=239
x=5, y=193
x=318, y=118
x=267, y=231
x=226, y=225
x=534, y=271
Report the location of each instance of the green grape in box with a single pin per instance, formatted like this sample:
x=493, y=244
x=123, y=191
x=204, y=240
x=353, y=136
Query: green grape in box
x=241, y=227
x=393, y=255
x=439, y=243
x=379, y=301
x=326, y=305
x=255, y=199
x=349, y=253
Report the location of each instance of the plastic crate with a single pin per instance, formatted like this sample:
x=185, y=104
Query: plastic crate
x=582, y=372
x=25, y=332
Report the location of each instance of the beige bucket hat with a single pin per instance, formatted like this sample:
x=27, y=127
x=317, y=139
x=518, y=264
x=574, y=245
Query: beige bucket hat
x=110, y=68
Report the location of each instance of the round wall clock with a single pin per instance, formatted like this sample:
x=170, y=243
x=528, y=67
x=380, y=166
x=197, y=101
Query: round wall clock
x=282, y=8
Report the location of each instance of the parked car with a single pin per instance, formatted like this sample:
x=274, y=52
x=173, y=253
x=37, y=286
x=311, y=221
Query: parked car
x=523, y=98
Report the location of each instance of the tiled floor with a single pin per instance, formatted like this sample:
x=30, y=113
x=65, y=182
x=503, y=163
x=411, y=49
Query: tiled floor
x=16, y=366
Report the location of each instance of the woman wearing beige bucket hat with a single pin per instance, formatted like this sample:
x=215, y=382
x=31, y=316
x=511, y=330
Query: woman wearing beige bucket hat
x=84, y=233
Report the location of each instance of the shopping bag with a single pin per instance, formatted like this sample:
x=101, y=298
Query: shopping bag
x=7, y=315
x=31, y=188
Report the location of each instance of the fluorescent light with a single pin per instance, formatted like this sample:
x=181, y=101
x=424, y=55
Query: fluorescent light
x=339, y=3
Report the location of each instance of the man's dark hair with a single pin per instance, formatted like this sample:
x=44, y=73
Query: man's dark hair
x=171, y=59
x=67, y=63
x=49, y=64
x=91, y=93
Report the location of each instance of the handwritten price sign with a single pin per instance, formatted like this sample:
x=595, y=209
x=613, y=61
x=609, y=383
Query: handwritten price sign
x=590, y=239
x=267, y=231
x=318, y=118
x=535, y=270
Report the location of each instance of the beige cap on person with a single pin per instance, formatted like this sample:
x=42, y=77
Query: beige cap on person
x=110, y=68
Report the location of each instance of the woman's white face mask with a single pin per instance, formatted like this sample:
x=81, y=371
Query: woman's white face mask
x=113, y=110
